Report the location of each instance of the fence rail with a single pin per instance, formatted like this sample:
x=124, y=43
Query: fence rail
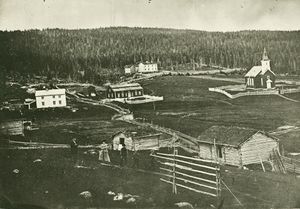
x=190, y=173
x=291, y=165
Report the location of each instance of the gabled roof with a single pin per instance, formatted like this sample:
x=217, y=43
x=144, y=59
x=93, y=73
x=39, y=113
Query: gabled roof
x=229, y=135
x=255, y=70
x=126, y=87
x=50, y=92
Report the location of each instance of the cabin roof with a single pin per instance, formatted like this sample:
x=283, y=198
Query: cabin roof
x=48, y=92
x=126, y=87
x=230, y=135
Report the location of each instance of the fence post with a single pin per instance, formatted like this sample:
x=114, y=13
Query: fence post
x=175, y=152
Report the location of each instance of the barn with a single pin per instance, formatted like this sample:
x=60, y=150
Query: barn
x=236, y=145
x=261, y=76
x=124, y=91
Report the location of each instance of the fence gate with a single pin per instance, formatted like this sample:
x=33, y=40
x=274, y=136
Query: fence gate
x=198, y=175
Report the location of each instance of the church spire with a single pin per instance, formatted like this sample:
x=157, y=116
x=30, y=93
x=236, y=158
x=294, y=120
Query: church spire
x=265, y=56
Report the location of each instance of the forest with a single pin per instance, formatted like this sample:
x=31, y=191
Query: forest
x=99, y=55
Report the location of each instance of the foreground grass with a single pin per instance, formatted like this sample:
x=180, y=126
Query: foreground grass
x=56, y=183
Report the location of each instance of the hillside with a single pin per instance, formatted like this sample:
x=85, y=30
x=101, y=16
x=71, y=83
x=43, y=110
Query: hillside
x=103, y=52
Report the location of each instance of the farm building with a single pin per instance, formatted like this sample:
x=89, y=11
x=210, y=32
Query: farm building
x=261, y=76
x=129, y=69
x=236, y=146
x=146, y=67
x=50, y=98
x=135, y=142
x=124, y=90
x=142, y=67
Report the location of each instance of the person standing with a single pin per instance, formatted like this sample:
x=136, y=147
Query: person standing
x=74, y=149
x=123, y=155
x=135, y=159
x=103, y=153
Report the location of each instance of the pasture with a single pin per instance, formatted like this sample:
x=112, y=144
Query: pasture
x=189, y=107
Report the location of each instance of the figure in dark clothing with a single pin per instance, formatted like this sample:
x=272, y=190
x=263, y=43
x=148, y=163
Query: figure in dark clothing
x=123, y=155
x=74, y=149
x=152, y=160
x=135, y=159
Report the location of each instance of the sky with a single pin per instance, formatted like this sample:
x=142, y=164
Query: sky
x=209, y=15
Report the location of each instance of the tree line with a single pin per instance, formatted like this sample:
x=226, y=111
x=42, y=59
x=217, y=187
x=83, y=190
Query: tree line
x=98, y=55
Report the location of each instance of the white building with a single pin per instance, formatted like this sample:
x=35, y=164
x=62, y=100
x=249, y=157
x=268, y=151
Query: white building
x=146, y=67
x=50, y=98
x=129, y=69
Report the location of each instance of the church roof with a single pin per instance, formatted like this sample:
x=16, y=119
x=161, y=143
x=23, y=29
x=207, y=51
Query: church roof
x=255, y=70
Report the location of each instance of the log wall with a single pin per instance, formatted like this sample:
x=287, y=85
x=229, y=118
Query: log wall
x=258, y=147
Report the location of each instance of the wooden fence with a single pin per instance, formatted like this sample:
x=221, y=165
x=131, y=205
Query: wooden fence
x=247, y=93
x=194, y=174
x=291, y=165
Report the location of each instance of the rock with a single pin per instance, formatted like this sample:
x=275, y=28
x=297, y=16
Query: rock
x=131, y=200
x=184, y=205
x=118, y=197
x=86, y=194
x=16, y=171
x=111, y=193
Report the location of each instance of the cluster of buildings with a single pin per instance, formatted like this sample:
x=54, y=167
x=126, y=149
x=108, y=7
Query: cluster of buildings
x=142, y=67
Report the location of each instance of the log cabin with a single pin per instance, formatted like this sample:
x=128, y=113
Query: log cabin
x=236, y=146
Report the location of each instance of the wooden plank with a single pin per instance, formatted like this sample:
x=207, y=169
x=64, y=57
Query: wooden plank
x=189, y=188
x=181, y=161
x=195, y=183
x=190, y=169
x=189, y=158
x=190, y=176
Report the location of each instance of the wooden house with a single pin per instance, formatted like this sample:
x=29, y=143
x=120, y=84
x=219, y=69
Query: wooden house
x=236, y=146
x=146, y=67
x=120, y=138
x=50, y=98
x=261, y=76
x=124, y=91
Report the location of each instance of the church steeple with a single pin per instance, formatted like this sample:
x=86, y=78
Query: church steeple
x=265, y=55
x=265, y=62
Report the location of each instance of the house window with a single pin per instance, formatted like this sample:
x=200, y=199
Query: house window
x=122, y=140
x=42, y=97
x=219, y=151
x=54, y=102
x=53, y=97
x=59, y=96
x=59, y=102
x=43, y=103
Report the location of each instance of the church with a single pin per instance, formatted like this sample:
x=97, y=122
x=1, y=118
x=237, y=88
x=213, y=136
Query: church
x=261, y=76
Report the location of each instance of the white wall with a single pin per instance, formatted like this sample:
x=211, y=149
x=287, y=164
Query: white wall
x=147, y=68
x=51, y=101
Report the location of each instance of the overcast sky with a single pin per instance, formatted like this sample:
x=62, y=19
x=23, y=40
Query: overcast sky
x=211, y=15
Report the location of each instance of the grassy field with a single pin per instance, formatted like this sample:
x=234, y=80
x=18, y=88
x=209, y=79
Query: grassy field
x=54, y=183
x=188, y=106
